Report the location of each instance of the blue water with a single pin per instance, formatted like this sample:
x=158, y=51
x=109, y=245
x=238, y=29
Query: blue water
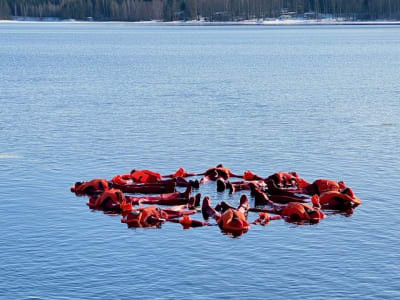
x=81, y=101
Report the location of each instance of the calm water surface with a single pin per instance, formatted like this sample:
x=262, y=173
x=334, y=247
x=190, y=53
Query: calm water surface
x=80, y=101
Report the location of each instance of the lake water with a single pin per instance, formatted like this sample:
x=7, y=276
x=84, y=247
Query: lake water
x=82, y=101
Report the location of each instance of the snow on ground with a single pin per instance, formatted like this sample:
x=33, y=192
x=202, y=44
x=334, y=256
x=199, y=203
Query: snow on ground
x=207, y=23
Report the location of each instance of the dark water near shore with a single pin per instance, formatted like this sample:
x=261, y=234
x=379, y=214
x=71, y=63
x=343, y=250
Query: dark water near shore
x=80, y=101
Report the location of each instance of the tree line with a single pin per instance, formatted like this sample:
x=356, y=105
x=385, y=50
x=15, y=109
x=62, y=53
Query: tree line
x=212, y=10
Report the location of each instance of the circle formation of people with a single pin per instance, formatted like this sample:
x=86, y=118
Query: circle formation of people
x=279, y=196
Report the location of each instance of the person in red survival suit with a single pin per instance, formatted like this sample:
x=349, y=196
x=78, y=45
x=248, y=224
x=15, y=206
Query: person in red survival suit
x=277, y=183
x=109, y=200
x=150, y=177
x=321, y=186
x=175, y=198
x=152, y=216
x=91, y=187
x=339, y=200
x=262, y=197
x=288, y=180
x=217, y=172
x=115, y=200
x=296, y=212
x=145, y=176
x=229, y=219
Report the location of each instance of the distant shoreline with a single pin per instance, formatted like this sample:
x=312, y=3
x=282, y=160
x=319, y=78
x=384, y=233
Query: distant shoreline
x=276, y=22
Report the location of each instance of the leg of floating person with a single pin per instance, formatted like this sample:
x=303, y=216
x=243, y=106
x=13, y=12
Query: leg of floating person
x=264, y=210
x=180, y=181
x=239, y=186
x=208, y=211
x=235, y=175
x=194, y=183
x=176, y=213
x=197, y=200
x=287, y=199
x=186, y=194
x=155, y=198
x=273, y=189
x=244, y=205
x=169, y=199
x=161, y=201
x=194, y=201
x=261, y=198
x=149, y=188
x=221, y=185
x=210, y=175
x=222, y=207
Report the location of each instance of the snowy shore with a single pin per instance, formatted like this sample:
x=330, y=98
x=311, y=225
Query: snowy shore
x=269, y=22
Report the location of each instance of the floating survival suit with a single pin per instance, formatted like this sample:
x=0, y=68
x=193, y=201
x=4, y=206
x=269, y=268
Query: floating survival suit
x=187, y=222
x=339, y=200
x=91, y=186
x=180, y=173
x=326, y=185
x=302, y=212
x=233, y=220
x=248, y=175
x=264, y=218
x=145, y=176
x=288, y=179
x=108, y=200
x=145, y=217
x=219, y=171
x=122, y=179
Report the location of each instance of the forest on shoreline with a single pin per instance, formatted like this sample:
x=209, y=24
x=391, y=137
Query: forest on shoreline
x=209, y=10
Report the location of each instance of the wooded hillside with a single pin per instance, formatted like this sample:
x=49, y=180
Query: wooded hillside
x=223, y=10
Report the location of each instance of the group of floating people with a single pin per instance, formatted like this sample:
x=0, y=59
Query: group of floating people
x=283, y=195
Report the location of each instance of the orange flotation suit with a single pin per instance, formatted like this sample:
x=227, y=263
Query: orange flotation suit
x=91, y=186
x=145, y=176
x=326, y=185
x=180, y=173
x=186, y=222
x=337, y=199
x=224, y=172
x=263, y=218
x=140, y=217
x=285, y=179
x=121, y=179
x=115, y=195
x=233, y=220
x=248, y=175
x=221, y=171
x=302, y=211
